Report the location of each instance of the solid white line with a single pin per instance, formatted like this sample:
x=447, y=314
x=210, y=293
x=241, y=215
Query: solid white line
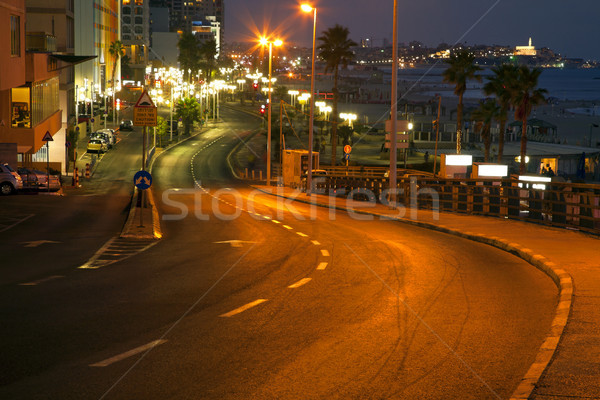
x=243, y=308
x=287, y=227
x=325, y=253
x=128, y=354
x=322, y=266
x=34, y=283
x=16, y=223
x=315, y=243
x=300, y=283
x=301, y=234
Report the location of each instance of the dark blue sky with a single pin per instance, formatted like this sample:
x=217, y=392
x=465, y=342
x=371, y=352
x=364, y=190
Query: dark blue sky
x=571, y=27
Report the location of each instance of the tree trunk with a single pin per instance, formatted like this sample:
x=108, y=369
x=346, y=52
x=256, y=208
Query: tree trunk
x=334, y=118
x=523, y=166
x=459, y=110
x=486, y=143
x=501, y=140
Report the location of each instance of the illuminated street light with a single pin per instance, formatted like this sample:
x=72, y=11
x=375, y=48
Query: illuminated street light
x=293, y=94
x=308, y=8
x=264, y=42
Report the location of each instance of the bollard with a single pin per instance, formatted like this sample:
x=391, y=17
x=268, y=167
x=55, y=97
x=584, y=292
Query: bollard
x=252, y=174
x=76, y=177
x=87, y=170
x=246, y=173
x=260, y=175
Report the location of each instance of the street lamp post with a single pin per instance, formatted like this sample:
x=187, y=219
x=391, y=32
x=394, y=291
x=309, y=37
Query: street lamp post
x=277, y=42
x=308, y=8
x=394, y=110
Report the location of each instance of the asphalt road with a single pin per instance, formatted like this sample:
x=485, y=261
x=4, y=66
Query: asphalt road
x=248, y=296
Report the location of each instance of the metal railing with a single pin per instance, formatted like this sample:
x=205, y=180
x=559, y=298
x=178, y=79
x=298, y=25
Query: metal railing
x=560, y=204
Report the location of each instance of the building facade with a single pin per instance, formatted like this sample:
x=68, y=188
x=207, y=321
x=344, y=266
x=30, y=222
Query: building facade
x=135, y=35
x=29, y=91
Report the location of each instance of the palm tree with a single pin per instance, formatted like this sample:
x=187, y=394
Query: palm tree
x=188, y=110
x=487, y=112
x=189, y=53
x=116, y=50
x=334, y=49
x=499, y=85
x=208, y=51
x=461, y=69
x=525, y=95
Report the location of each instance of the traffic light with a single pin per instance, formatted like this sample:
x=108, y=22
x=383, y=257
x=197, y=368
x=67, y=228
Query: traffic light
x=262, y=110
x=435, y=124
x=255, y=85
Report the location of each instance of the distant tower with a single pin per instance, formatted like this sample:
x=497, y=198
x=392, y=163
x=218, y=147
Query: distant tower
x=530, y=43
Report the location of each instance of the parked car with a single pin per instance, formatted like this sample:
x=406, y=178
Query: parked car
x=97, y=145
x=10, y=180
x=106, y=136
x=35, y=179
x=126, y=125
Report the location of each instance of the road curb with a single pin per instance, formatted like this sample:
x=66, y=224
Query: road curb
x=559, y=276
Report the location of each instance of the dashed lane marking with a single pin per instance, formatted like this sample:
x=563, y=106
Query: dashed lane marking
x=301, y=234
x=300, y=283
x=325, y=253
x=287, y=227
x=322, y=266
x=243, y=308
x=128, y=354
x=316, y=243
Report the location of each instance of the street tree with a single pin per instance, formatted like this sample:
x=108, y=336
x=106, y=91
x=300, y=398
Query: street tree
x=525, y=95
x=499, y=85
x=487, y=112
x=188, y=109
x=461, y=69
x=116, y=50
x=189, y=53
x=208, y=53
x=335, y=49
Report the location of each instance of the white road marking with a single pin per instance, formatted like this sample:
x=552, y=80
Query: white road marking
x=235, y=243
x=322, y=266
x=325, y=253
x=265, y=217
x=34, y=283
x=243, y=308
x=287, y=227
x=128, y=354
x=38, y=243
x=275, y=221
x=16, y=223
x=301, y=234
x=300, y=283
x=316, y=243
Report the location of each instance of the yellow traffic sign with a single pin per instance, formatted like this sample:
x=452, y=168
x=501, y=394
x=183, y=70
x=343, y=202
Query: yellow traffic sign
x=144, y=116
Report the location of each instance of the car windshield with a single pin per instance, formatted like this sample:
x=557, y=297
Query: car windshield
x=8, y=168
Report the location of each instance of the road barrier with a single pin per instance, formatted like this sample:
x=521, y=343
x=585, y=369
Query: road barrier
x=87, y=170
x=560, y=204
x=76, y=177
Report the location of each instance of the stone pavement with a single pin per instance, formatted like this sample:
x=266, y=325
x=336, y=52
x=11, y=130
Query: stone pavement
x=568, y=363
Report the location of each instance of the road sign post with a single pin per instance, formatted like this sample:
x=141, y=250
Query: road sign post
x=47, y=138
x=145, y=115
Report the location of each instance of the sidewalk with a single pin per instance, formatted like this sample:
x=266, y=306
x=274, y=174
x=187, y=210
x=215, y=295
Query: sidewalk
x=568, y=363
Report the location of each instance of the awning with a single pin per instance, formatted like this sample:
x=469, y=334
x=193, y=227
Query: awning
x=71, y=59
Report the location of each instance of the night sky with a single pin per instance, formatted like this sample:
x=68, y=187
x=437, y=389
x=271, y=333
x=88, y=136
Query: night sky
x=571, y=28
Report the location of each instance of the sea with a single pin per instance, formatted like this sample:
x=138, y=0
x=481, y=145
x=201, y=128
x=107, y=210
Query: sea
x=562, y=84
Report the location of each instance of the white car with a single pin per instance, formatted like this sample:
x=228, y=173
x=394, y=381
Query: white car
x=10, y=180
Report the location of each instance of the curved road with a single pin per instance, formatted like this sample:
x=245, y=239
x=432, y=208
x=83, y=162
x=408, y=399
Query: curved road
x=253, y=297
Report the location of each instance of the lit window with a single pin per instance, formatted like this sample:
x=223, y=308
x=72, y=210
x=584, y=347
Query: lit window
x=20, y=106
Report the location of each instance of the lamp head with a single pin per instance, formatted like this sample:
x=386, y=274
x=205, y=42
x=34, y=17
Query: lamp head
x=306, y=7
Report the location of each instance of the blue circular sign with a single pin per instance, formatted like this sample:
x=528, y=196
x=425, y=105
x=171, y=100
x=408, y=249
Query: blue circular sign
x=142, y=180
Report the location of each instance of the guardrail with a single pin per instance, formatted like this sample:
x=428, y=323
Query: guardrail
x=561, y=204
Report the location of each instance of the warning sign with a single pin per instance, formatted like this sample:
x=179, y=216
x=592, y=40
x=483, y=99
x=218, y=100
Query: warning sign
x=144, y=111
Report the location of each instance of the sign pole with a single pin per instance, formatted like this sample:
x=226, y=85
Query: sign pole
x=48, y=165
x=143, y=169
